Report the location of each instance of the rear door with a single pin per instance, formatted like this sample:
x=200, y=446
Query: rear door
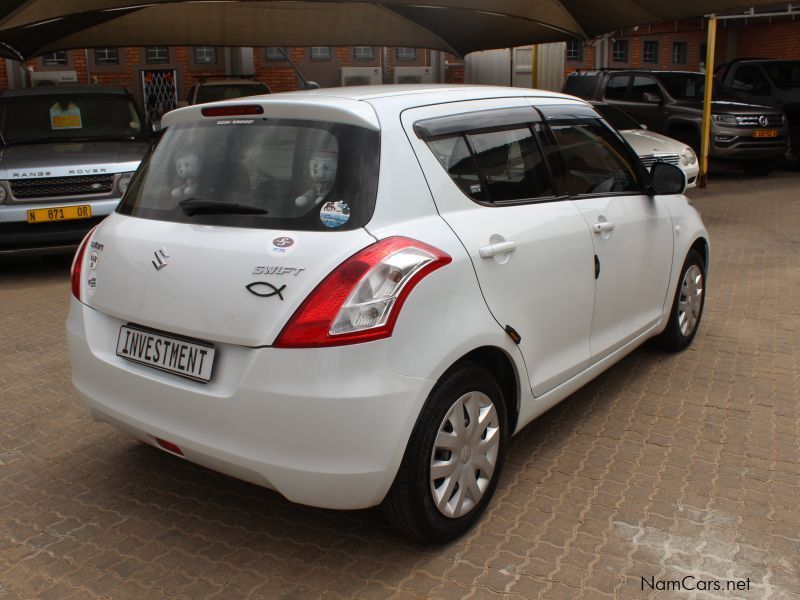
x=645, y=103
x=232, y=222
x=631, y=231
x=531, y=248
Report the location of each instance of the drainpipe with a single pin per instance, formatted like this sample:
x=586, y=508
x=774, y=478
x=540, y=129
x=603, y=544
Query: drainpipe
x=88, y=72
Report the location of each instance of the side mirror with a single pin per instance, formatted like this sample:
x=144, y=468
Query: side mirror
x=666, y=179
x=651, y=98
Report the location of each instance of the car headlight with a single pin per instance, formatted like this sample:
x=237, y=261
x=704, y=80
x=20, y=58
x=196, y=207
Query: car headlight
x=688, y=157
x=3, y=193
x=725, y=119
x=123, y=181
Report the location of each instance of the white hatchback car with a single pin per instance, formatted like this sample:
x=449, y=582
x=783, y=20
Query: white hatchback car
x=355, y=297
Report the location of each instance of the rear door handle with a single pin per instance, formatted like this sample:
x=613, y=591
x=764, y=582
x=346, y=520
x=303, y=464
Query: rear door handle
x=603, y=226
x=497, y=249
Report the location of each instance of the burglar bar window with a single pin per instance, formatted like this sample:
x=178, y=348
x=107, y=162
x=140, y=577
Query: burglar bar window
x=55, y=59
x=156, y=55
x=679, y=52
x=575, y=50
x=275, y=53
x=619, y=52
x=364, y=53
x=320, y=53
x=406, y=54
x=650, y=51
x=205, y=55
x=106, y=56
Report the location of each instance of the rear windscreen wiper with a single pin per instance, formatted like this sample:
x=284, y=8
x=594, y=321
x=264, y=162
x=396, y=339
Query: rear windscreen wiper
x=196, y=206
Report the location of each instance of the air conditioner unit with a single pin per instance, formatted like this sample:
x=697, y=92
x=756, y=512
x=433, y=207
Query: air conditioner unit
x=413, y=75
x=39, y=78
x=361, y=76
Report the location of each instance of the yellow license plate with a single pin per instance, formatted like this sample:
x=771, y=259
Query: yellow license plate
x=765, y=133
x=59, y=213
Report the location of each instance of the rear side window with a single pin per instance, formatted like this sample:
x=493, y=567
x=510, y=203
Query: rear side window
x=582, y=86
x=262, y=173
x=219, y=92
x=644, y=85
x=617, y=86
x=495, y=166
x=596, y=160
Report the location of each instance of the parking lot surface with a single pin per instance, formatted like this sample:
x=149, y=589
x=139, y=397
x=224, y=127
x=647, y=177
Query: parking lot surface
x=666, y=468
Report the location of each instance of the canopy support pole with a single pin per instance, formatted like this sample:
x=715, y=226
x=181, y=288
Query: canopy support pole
x=705, y=134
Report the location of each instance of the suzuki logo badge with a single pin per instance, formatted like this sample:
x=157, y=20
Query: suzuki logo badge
x=763, y=121
x=161, y=258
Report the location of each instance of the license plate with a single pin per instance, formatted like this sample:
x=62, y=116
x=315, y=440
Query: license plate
x=765, y=133
x=59, y=213
x=190, y=359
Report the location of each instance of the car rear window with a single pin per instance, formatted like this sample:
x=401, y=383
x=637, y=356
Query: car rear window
x=259, y=173
x=219, y=92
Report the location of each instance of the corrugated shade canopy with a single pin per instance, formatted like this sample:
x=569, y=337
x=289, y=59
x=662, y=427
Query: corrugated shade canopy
x=32, y=27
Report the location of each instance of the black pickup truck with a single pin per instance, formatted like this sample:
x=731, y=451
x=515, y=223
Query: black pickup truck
x=671, y=103
x=772, y=82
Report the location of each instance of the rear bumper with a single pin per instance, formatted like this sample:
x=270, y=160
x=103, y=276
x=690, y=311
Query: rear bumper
x=323, y=427
x=18, y=237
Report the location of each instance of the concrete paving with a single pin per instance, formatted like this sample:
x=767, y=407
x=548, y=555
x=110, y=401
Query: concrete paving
x=666, y=468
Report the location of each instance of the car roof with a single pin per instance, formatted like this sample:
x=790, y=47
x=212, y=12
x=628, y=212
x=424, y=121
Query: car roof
x=47, y=90
x=365, y=105
x=405, y=96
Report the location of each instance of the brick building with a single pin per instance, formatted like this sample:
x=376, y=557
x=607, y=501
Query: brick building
x=127, y=66
x=682, y=45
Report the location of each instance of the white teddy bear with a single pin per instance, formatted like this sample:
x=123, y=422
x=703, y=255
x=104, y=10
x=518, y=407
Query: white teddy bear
x=322, y=168
x=189, y=168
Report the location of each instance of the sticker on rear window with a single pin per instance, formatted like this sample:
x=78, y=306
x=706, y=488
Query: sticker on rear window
x=334, y=214
x=68, y=117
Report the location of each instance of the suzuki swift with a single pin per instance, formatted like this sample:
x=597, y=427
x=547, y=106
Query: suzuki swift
x=355, y=297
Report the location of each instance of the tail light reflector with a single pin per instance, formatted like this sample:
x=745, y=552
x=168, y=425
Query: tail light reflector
x=169, y=446
x=77, y=265
x=362, y=298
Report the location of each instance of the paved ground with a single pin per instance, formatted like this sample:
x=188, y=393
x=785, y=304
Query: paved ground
x=666, y=466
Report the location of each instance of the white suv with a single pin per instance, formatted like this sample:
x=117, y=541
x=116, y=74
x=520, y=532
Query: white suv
x=355, y=297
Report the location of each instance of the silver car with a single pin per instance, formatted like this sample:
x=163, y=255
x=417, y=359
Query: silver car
x=66, y=157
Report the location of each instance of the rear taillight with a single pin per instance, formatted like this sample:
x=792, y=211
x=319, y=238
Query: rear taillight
x=77, y=265
x=362, y=298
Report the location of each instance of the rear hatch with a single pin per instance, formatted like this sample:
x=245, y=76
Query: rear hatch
x=231, y=223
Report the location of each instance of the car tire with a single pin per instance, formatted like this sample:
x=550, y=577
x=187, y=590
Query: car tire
x=687, y=306
x=441, y=509
x=759, y=168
